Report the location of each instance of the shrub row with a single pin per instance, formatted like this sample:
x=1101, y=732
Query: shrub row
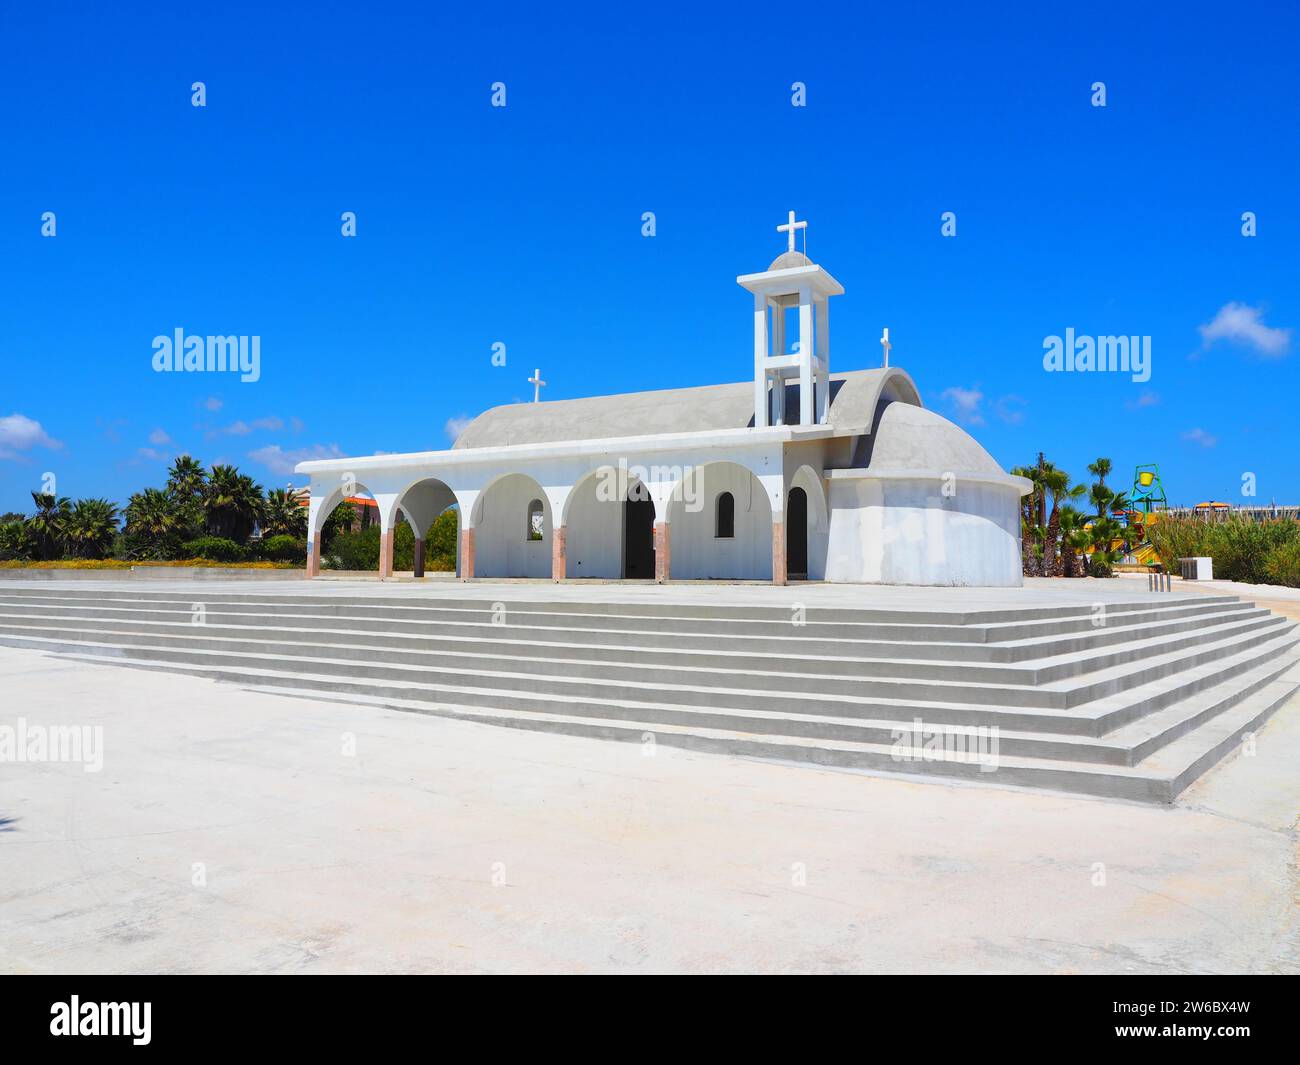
x=1253, y=552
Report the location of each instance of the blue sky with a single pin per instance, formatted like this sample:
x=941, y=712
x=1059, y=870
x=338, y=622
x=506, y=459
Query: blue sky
x=522, y=225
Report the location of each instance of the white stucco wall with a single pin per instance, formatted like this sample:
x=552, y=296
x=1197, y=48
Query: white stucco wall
x=594, y=534
x=501, y=547
x=698, y=554
x=906, y=531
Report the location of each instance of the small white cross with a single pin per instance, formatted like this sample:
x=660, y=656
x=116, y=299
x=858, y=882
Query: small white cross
x=538, y=384
x=790, y=227
x=884, y=343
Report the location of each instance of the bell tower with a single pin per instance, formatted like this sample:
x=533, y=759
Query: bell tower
x=792, y=281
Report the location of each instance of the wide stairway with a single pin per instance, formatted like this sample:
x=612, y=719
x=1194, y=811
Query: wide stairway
x=1135, y=702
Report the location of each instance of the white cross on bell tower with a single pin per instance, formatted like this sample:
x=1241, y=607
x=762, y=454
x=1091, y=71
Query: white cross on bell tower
x=791, y=281
x=790, y=227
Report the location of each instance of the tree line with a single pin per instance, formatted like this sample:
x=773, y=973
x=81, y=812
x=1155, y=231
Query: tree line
x=1070, y=541
x=201, y=513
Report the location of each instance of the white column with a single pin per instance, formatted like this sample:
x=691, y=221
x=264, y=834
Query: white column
x=760, y=360
x=824, y=354
x=805, y=357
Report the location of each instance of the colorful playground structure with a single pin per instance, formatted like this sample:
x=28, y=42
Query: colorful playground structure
x=1145, y=504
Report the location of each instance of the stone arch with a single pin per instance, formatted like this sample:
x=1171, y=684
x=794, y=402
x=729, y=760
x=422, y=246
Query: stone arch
x=593, y=519
x=500, y=521
x=421, y=503
x=322, y=505
x=697, y=553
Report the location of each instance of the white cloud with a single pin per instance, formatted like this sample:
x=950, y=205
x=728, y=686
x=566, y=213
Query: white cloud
x=277, y=460
x=456, y=425
x=213, y=403
x=965, y=403
x=271, y=424
x=1146, y=399
x=1239, y=323
x=159, y=437
x=20, y=433
x=1200, y=436
x=1010, y=409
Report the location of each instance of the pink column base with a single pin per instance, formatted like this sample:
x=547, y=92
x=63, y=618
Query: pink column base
x=778, y=552
x=467, y=555
x=663, y=552
x=559, y=555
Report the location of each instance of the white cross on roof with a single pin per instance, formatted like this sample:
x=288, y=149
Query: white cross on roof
x=790, y=227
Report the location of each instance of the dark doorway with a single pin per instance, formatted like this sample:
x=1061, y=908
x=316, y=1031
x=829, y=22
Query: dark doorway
x=796, y=534
x=638, y=535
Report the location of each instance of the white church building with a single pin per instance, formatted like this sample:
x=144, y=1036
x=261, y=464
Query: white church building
x=799, y=473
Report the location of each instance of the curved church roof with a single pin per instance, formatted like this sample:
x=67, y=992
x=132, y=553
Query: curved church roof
x=906, y=437
x=854, y=399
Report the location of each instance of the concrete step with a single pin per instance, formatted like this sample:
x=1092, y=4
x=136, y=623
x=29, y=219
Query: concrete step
x=506, y=638
x=817, y=673
x=948, y=682
x=974, y=626
x=526, y=691
x=1156, y=780
x=1134, y=707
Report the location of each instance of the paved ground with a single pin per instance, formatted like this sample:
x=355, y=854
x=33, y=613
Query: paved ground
x=229, y=831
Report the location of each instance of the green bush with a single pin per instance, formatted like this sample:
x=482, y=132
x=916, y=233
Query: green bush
x=1240, y=548
x=15, y=543
x=215, y=548
x=1253, y=552
x=1283, y=564
x=360, y=550
x=353, y=550
x=283, y=548
x=1175, y=538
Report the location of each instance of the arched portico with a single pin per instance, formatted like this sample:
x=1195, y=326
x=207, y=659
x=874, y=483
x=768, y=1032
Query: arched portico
x=322, y=504
x=421, y=503
x=607, y=524
x=511, y=529
x=713, y=537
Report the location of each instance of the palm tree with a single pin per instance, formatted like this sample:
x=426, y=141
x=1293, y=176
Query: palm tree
x=46, y=526
x=1104, y=533
x=1058, y=486
x=185, y=478
x=232, y=503
x=283, y=515
x=1029, y=528
x=185, y=484
x=1101, y=470
x=153, y=518
x=15, y=542
x=1075, y=540
x=1101, y=498
x=90, y=527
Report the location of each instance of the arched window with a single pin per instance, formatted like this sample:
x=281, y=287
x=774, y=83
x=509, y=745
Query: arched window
x=536, y=520
x=725, y=527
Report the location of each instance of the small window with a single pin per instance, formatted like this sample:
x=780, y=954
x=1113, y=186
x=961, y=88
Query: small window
x=536, y=519
x=725, y=528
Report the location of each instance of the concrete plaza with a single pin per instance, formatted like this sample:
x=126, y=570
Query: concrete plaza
x=242, y=831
